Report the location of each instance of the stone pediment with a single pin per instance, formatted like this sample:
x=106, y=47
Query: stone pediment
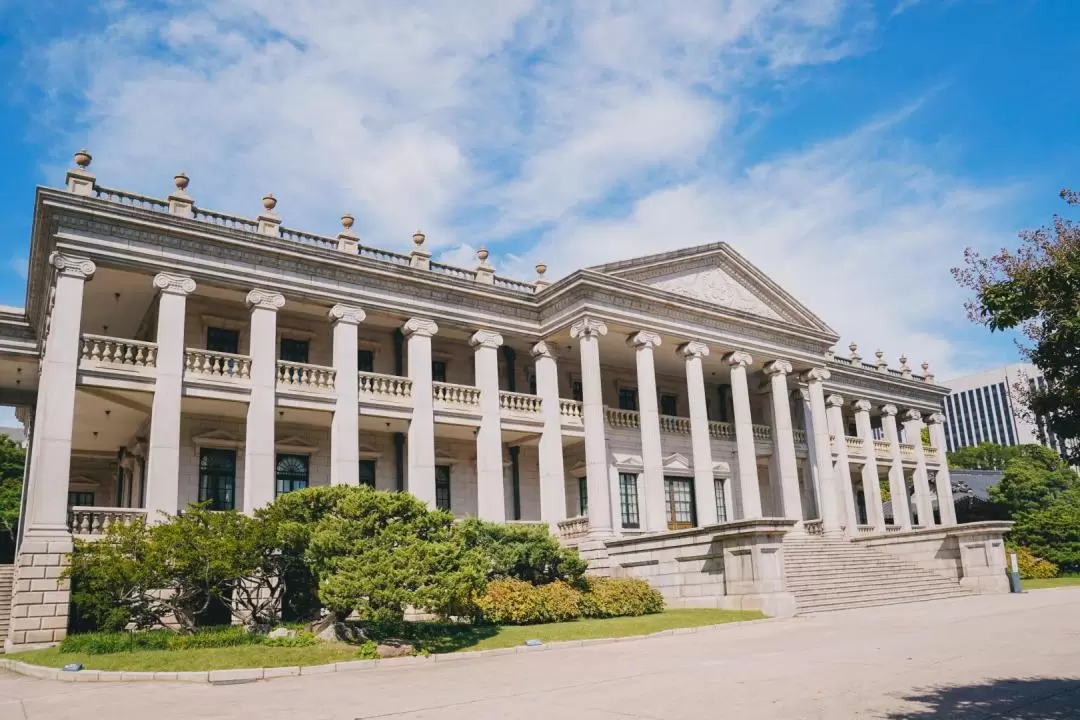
x=717, y=275
x=677, y=462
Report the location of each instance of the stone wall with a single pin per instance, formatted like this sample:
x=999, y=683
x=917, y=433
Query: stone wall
x=40, y=598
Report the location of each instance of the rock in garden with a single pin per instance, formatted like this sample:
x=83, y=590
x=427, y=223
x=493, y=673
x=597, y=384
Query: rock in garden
x=281, y=632
x=394, y=648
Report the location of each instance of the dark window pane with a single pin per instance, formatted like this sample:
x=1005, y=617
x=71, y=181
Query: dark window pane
x=292, y=473
x=80, y=498
x=669, y=405
x=367, y=473
x=438, y=370
x=442, y=487
x=628, y=399
x=628, y=500
x=294, y=350
x=577, y=391
x=721, y=501
x=217, y=478
x=679, y=503
x=365, y=361
x=583, y=496
x=222, y=340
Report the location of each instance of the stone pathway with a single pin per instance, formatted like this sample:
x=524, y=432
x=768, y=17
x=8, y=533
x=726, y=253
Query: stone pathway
x=1003, y=657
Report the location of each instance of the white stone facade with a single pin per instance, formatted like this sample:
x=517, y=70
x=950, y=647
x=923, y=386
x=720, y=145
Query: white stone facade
x=676, y=390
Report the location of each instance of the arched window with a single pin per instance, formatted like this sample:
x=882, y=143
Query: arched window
x=292, y=473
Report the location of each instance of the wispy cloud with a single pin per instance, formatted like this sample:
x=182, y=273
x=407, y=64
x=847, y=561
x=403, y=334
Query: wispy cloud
x=18, y=265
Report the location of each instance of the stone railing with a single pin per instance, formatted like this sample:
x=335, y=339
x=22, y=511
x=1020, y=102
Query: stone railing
x=452, y=271
x=308, y=378
x=882, y=449
x=217, y=365
x=131, y=199
x=864, y=529
x=308, y=238
x=718, y=429
x=800, y=436
x=853, y=444
x=93, y=521
x=118, y=352
x=570, y=410
x=673, y=424
x=907, y=450
x=224, y=219
x=520, y=403
x=814, y=527
x=384, y=387
x=894, y=528
x=622, y=418
x=518, y=285
x=575, y=527
x=384, y=256
x=457, y=395
x=762, y=432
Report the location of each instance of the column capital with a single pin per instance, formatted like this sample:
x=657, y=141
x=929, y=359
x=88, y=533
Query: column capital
x=739, y=359
x=347, y=314
x=265, y=299
x=778, y=367
x=834, y=401
x=912, y=416
x=486, y=339
x=422, y=327
x=544, y=349
x=73, y=266
x=588, y=327
x=693, y=349
x=889, y=410
x=813, y=375
x=862, y=405
x=936, y=419
x=175, y=284
x=644, y=339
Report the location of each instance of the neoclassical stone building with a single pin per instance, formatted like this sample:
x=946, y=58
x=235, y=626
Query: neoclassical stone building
x=170, y=354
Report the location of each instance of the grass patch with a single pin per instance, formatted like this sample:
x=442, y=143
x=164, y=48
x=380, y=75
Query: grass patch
x=427, y=636
x=1044, y=583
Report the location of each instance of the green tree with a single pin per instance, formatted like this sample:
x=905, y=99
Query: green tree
x=12, y=459
x=991, y=456
x=522, y=552
x=1036, y=290
x=1034, y=479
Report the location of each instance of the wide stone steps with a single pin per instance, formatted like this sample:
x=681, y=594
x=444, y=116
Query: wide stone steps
x=826, y=574
x=7, y=583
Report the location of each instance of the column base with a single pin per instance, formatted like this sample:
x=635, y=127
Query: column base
x=40, y=600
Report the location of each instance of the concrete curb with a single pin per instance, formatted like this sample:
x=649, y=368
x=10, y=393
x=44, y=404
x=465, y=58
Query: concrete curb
x=245, y=675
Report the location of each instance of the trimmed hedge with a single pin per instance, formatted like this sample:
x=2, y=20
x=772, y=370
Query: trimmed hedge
x=105, y=643
x=516, y=602
x=620, y=597
x=1033, y=568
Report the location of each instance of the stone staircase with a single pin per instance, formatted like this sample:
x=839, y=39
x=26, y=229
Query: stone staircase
x=7, y=584
x=835, y=574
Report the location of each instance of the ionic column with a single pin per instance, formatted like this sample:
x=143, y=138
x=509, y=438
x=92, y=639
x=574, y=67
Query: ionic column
x=552, y=472
x=163, y=462
x=897, y=487
x=783, y=437
x=588, y=332
x=490, y=496
x=421, y=443
x=259, y=453
x=913, y=425
x=345, y=425
x=875, y=514
x=51, y=471
x=835, y=416
x=943, y=483
x=704, y=490
x=831, y=518
x=749, y=491
x=649, y=415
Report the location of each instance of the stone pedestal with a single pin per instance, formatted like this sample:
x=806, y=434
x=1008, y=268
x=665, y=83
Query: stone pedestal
x=40, y=601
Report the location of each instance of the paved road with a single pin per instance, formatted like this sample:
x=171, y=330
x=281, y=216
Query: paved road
x=1003, y=657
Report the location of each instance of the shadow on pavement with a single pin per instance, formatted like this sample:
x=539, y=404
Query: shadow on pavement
x=1005, y=699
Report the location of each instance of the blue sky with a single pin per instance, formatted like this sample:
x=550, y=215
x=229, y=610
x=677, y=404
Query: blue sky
x=849, y=149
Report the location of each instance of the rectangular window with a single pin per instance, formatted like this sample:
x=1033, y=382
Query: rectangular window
x=577, y=391
x=628, y=399
x=80, y=498
x=217, y=478
x=532, y=382
x=222, y=340
x=723, y=412
x=294, y=350
x=583, y=496
x=721, y=501
x=628, y=504
x=365, y=361
x=679, y=503
x=367, y=473
x=442, y=487
x=669, y=404
x=292, y=472
x=438, y=370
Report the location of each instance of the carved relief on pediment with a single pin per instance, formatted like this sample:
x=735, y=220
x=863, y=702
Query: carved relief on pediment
x=715, y=286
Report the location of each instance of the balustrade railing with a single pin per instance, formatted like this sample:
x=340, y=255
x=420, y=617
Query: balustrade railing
x=219, y=365
x=718, y=429
x=894, y=528
x=575, y=527
x=570, y=410
x=91, y=521
x=514, y=284
x=762, y=432
x=672, y=424
x=523, y=403
x=118, y=352
x=800, y=436
x=454, y=272
x=864, y=529
x=907, y=450
x=225, y=220
x=814, y=527
x=131, y=199
x=308, y=238
x=854, y=444
x=622, y=418
x=301, y=376
x=384, y=256
x=384, y=387
x=451, y=394
x=882, y=448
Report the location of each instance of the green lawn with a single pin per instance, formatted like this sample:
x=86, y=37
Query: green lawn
x=433, y=637
x=1050, y=582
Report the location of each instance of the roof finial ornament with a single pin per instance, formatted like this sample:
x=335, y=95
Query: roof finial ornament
x=83, y=158
x=541, y=281
x=347, y=240
x=347, y=221
x=181, y=180
x=882, y=365
x=269, y=202
x=905, y=370
x=482, y=254
x=855, y=357
x=418, y=238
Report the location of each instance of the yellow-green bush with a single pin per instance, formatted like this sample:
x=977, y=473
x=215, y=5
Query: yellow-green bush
x=619, y=597
x=1033, y=568
x=516, y=602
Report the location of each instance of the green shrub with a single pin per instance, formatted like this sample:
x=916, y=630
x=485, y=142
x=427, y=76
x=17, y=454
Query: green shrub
x=620, y=597
x=300, y=639
x=523, y=552
x=106, y=643
x=516, y=602
x=214, y=637
x=368, y=651
x=1031, y=567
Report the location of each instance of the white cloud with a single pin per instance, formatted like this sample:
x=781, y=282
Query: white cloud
x=597, y=130
x=18, y=265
